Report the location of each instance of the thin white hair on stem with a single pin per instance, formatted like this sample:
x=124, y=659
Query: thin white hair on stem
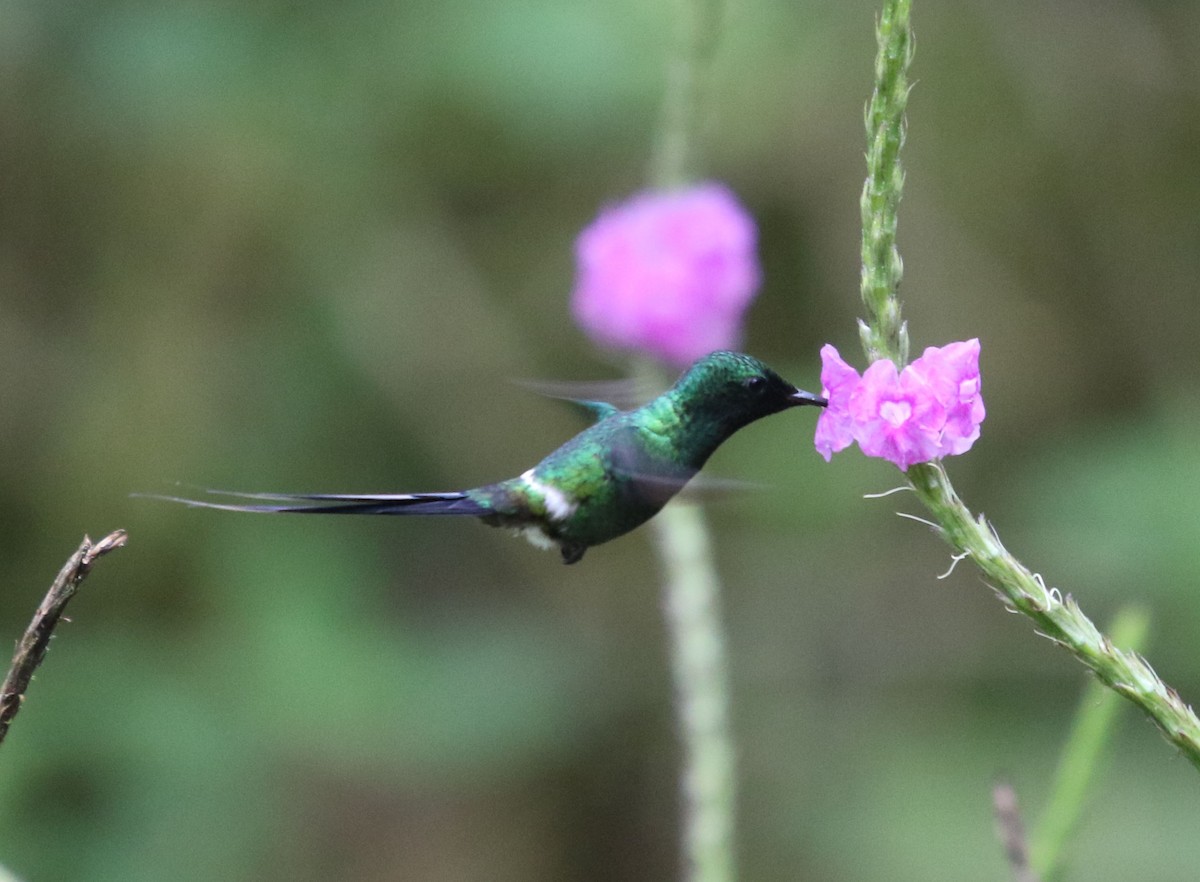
x=920, y=520
x=954, y=559
x=1002, y=597
x=886, y=492
x=1056, y=641
x=1053, y=595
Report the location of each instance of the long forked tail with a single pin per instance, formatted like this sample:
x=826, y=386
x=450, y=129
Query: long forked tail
x=338, y=503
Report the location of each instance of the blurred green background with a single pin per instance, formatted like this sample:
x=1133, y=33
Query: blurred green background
x=305, y=246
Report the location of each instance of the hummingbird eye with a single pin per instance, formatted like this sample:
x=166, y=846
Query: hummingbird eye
x=755, y=383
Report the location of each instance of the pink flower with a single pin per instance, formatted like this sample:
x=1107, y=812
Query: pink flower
x=953, y=371
x=932, y=408
x=835, y=428
x=896, y=416
x=667, y=273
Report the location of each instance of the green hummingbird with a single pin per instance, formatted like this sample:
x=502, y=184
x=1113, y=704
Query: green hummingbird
x=604, y=482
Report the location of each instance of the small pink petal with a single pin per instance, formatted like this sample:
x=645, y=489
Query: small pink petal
x=953, y=372
x=835, y=425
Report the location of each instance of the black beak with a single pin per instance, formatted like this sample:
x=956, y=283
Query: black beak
x=800, y=397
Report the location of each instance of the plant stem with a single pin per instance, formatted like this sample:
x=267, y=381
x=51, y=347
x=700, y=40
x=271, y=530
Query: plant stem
x=700, y=674
x=1056, y=617
x=31, y=648
x=689, y=65
x=691, y=602
x=1082, y=754
x=1011, y=829
x=691, y=586
x=885, y=336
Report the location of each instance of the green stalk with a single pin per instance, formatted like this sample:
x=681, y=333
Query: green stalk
x=1056, y=617
x=691, y=601
x=689, y=65
x=1082, y=755
x=700, y=674
x=884, y=336
x=691, y=585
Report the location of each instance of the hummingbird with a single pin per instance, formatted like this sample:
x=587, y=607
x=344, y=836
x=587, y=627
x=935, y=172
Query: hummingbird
x=610, y=478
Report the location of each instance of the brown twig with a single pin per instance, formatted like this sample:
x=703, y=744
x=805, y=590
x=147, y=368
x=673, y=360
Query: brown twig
x=1011, y=831
x=32, y=647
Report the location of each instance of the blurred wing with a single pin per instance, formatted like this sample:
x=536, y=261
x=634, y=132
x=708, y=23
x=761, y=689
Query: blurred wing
x=600, y=399
x=699, y=488
x=658, y=479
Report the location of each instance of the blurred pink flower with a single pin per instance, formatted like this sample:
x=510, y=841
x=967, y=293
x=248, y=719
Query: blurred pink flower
x=669, y=273
x=930, y=409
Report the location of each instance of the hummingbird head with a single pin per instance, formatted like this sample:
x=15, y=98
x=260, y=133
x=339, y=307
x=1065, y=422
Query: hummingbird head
x=733, y=390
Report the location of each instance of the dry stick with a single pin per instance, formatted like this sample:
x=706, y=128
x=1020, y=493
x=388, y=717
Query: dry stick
x=1011, y=831
x=33, y=645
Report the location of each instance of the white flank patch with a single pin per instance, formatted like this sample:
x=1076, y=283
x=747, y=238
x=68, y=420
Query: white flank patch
x=559, y=506
x=536, y=537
